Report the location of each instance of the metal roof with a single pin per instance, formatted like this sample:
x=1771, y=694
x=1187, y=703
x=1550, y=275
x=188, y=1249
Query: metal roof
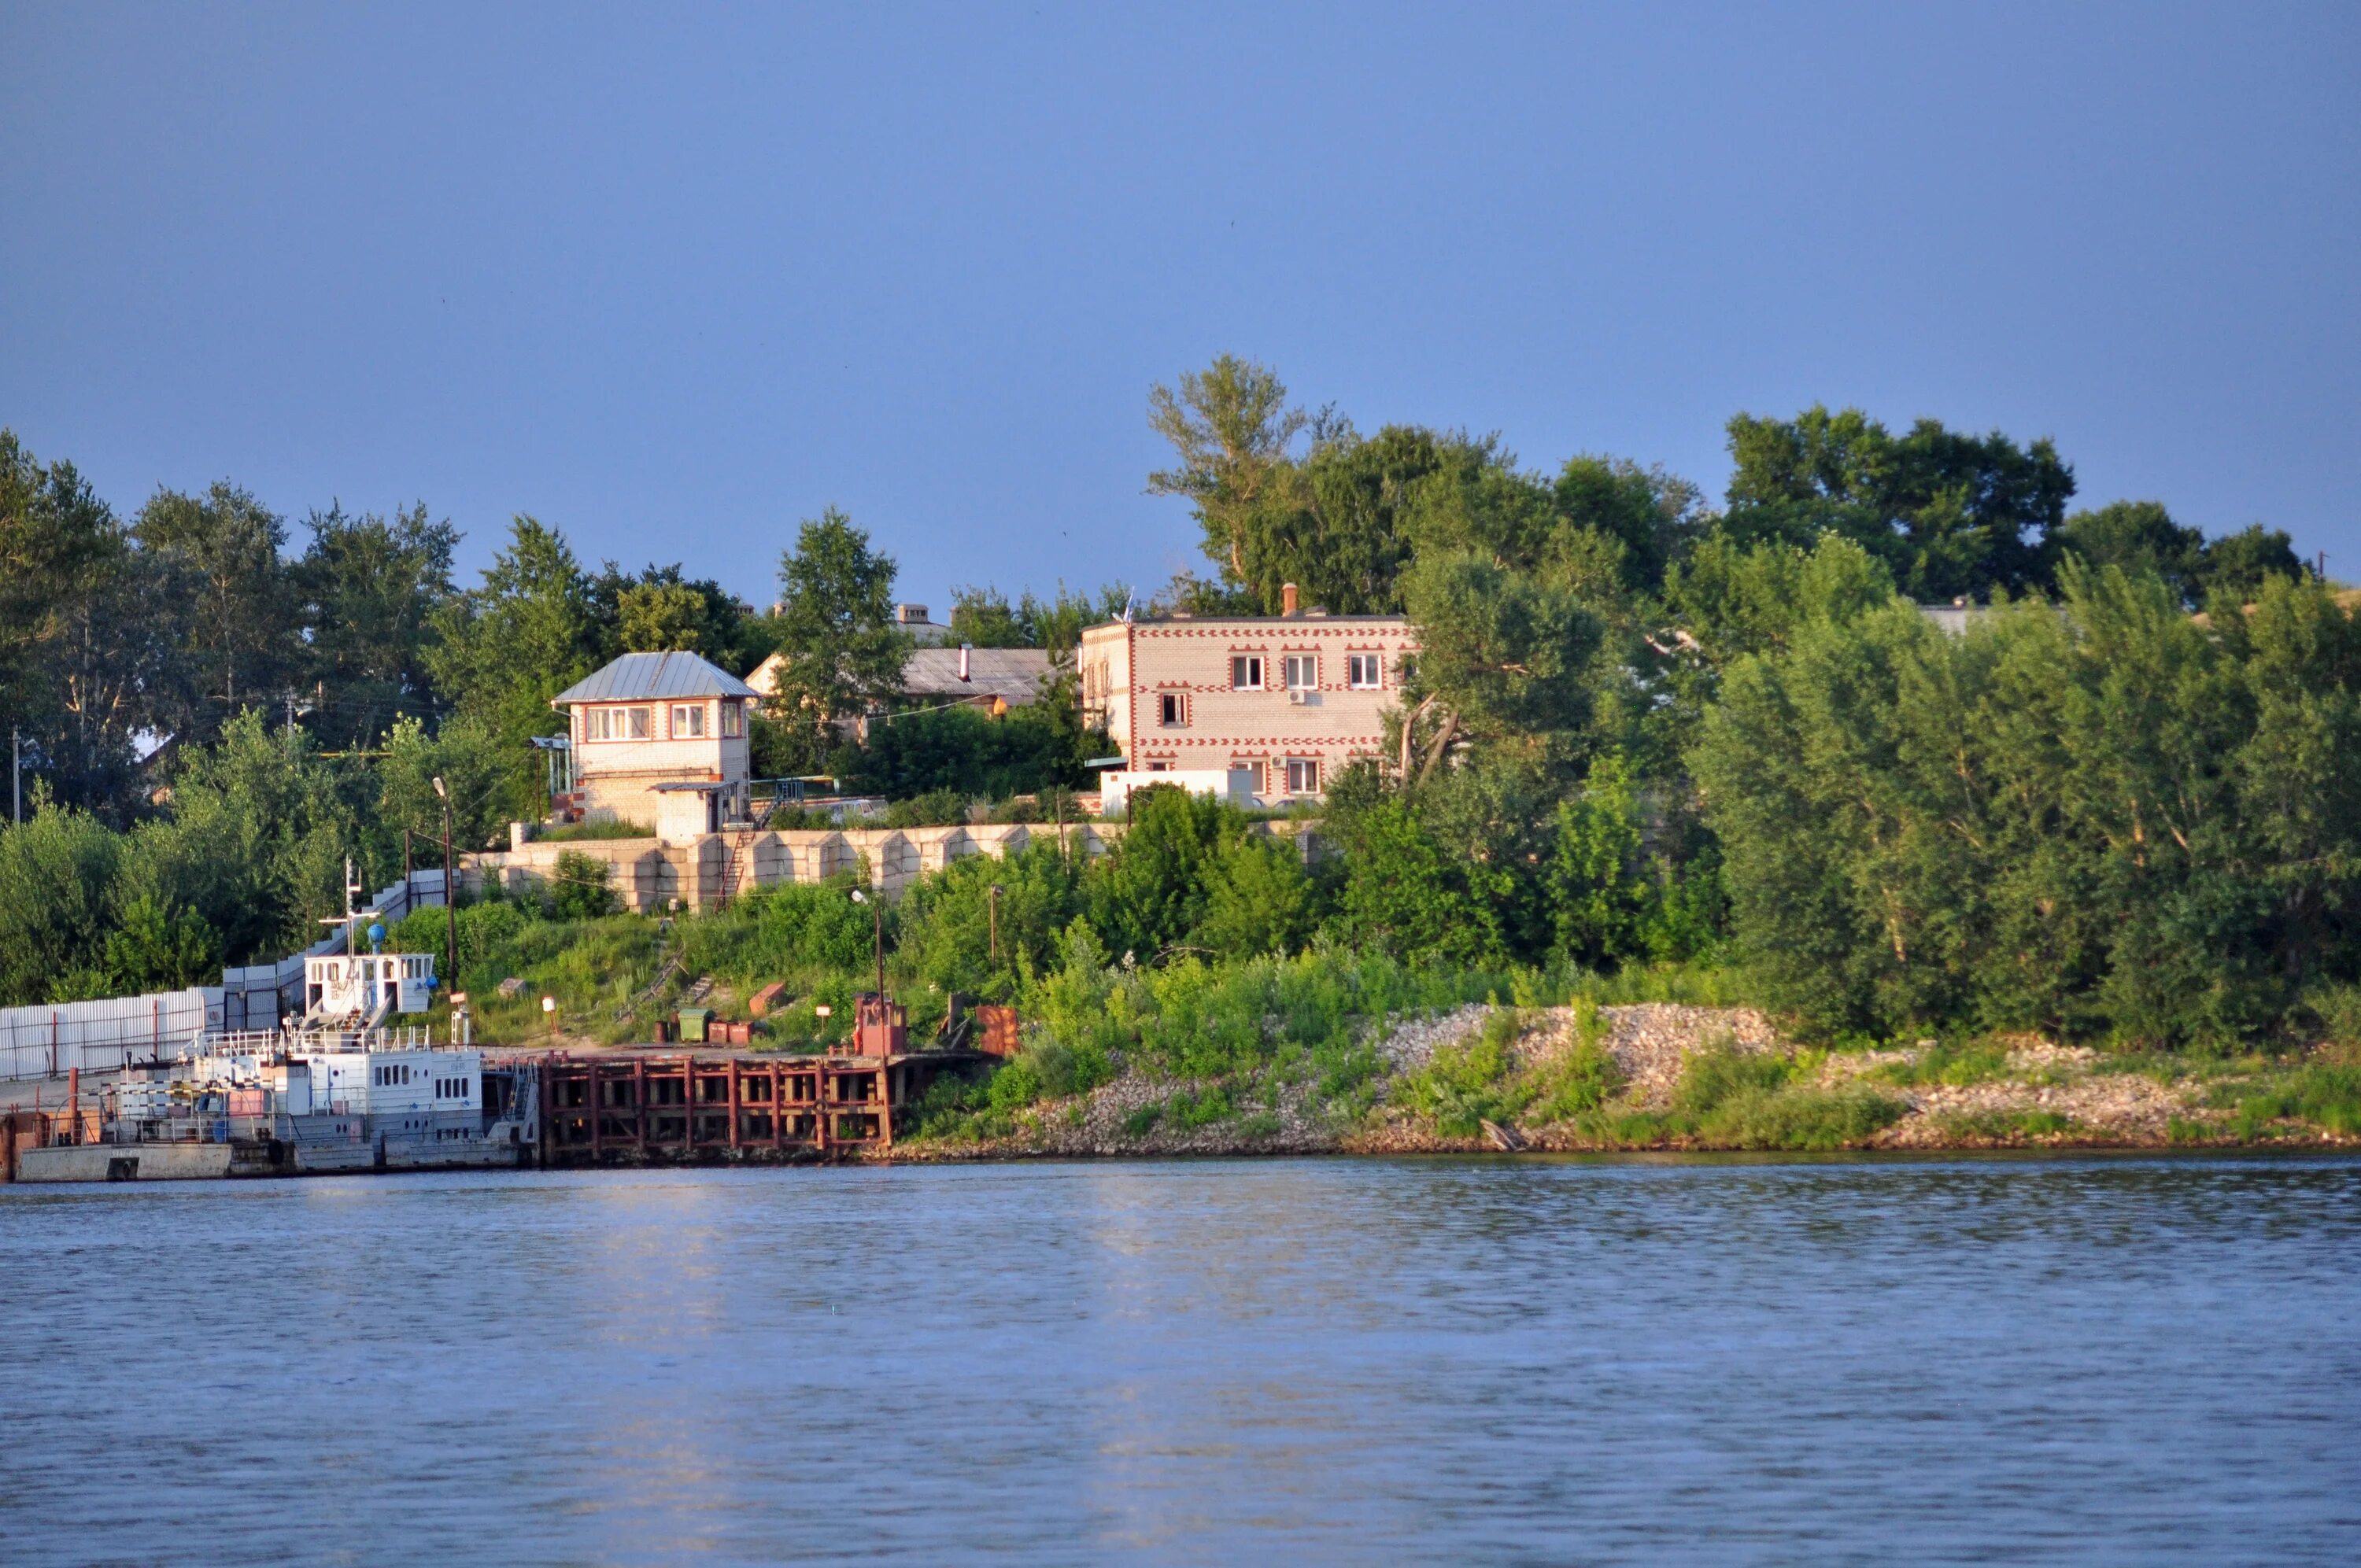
x=654, y=677
x=1017, y=675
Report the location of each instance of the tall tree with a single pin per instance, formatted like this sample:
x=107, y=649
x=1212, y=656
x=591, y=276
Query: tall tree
x=1230, y=427
x=370, y=587
x=663, y=609
x=840, y=653
x=2137, y=536
x=235, y=609
x=502, y=650
x=1953, y=515
x=82, y=648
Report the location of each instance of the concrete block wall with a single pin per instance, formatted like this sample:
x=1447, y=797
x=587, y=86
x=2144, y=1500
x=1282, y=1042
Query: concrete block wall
x=711, y=869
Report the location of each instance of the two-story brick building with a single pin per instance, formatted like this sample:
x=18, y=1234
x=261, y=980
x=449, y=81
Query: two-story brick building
x=660, y=739
x=1289, y=698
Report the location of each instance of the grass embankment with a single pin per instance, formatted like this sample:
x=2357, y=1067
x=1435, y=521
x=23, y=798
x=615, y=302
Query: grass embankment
x=1337, y=1050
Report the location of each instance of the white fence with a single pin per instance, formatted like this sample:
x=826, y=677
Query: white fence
x=100, y=1036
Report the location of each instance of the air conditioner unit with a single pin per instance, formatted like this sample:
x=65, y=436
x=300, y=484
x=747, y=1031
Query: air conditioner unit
x=1297, y=695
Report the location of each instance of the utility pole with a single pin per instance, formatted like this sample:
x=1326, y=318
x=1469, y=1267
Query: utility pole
x=450, y=893
x=992, y=904
x=16, y=774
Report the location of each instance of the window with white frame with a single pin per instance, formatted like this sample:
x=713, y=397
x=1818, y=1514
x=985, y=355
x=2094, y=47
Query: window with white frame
x=1257, y=774
x=1302, y=672
x=733, y=719
x=1245, y=673
x=615, y=724
x=1365, y=672
x=1172, y=710
x=687, y=721
x=1303, y=775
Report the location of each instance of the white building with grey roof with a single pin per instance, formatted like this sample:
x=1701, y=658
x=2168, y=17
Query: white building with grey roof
x=660, y=739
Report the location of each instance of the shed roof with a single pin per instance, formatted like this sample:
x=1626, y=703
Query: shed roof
x=1017, y=675
x=643, y=678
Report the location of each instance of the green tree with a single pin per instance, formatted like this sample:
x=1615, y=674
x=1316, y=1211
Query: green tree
x=256, y=838
x=233, y=609
x=1408, y=893
x=948, y=920
x=84, y=651
x=1259, y=899
x=1503, y=662
x=369, y=588
x=840, y=653
x=1599, y=892
x=1950, y=514
x=504, y=649
x=1230, y=428
x=462, y=753
x=55, y=869
x=1150, y=894
x=2137, y=537
x=2237, y=565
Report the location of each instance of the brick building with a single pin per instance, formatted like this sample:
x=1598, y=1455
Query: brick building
x=1289, y=698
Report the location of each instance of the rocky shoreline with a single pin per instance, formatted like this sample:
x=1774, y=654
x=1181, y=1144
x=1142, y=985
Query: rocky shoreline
x=2019, y=1093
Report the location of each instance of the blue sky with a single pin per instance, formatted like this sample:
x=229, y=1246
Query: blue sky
x=671, y=278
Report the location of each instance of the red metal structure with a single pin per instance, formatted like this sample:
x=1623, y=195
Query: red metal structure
x=697, y=1108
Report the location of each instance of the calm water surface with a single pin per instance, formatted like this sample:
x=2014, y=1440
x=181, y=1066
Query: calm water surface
x=2085, y=1360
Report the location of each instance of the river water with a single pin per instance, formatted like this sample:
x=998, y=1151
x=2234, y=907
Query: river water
x=2083, y=1360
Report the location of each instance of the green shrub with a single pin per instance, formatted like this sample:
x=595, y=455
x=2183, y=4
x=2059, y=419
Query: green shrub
x=2326, y=1095
x=1464, y=1086
x=1754, y=1100
x=578, y=887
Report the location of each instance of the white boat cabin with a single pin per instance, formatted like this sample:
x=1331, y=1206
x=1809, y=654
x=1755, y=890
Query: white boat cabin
x=367, y=984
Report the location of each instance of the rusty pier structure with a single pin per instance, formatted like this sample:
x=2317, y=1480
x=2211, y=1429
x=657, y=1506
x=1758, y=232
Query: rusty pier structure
x=687, y=1107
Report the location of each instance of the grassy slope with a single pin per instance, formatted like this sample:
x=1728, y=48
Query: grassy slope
x=1333, y=1051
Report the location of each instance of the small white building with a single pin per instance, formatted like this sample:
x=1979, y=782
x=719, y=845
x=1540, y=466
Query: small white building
x=660, y=739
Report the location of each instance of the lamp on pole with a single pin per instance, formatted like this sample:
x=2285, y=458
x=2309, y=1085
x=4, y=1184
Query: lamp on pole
x=450, y=893
x=877, y=913
x=991, y=905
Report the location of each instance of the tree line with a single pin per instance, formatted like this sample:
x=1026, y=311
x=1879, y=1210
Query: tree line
x=1641, y=728
x=210, y=721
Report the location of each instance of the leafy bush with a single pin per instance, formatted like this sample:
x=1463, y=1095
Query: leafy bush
x=578, y=887
x=1753, y=1099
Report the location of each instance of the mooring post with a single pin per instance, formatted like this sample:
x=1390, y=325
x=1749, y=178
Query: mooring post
x=592, y=1094
x=734, y=1103
x=640, y=1104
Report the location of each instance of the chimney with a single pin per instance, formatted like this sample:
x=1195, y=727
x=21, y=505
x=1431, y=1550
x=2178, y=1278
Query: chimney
x=1287, y=599
x=963, y=653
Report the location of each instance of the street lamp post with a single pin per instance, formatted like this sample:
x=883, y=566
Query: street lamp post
x=450, y=893
x=991, y=905
x=877, y=913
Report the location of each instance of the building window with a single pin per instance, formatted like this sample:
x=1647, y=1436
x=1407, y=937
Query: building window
x=615, y=724
x=1172, y=710
x=687, y=721
x=1303, y=775
x=1245, y=673
x=1302, y=672
x=1258, y=775
x=733, y=720
x=1158, y=767
x=1365, y=672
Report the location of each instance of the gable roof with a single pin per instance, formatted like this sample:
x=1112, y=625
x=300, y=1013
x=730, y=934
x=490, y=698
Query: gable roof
x=650, y=677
